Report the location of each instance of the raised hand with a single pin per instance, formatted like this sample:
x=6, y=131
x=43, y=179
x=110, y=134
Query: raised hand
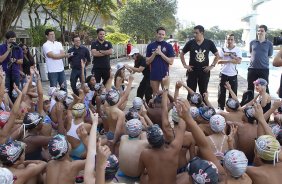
x=103, y=153
x=227, y=86
x=183, y=107
x=178, y=84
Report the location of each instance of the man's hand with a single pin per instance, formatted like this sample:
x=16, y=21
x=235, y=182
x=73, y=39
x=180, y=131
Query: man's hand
x=103, y=153
x=165, y=82
x=81, y=132
x=189, y=68
x=227, y=86
x=207, y=68
x=178, y=84
x=258, y=112
x=183, y=107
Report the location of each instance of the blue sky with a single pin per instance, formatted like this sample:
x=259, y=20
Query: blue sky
x=227, y=14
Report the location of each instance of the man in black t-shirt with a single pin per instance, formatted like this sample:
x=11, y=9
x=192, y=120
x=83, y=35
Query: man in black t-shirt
x=78, y=53
x=101, y=51
x=141, y=66
x=198, y=70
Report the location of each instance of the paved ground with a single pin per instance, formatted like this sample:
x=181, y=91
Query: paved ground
x=177, y=72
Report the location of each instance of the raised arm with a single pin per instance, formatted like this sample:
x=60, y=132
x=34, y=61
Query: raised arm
x=263, y=128
x=124, y=97
x=168, y=131
x=14, y=113
x=178, y=85
x=91, y=152
x=183, y=107
x=228, y=87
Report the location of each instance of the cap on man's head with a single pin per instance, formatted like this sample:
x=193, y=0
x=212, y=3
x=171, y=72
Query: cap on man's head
x=134, y=51
x=260, y=81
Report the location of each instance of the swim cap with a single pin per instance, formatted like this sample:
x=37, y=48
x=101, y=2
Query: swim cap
x=202, y=171
x=155, y=136
x=31, y=120
x=78, y=110
x=275, y=128
x=58, y=146
x=6, y=176
x=131, y=114
x=133, y=128
x=112, y=97
x=232, y=104
x=4, y=117
x=196, y=99
x=111, y=168
x=217, y=123
x=236, y=162
x=206, y=112
x=268, y=148
x=174, y=115
x=11, y=152
x=98, y=86
x=137, y=103
x=61, y=95
x=51, y=91
x=120, y=66
x=260, y=81
x=14, y=94
x=249, y=112
x=194, y=111
x=68, y=100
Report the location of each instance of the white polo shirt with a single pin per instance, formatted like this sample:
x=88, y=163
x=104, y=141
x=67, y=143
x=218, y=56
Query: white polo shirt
x=229, y=69
x=53, y=65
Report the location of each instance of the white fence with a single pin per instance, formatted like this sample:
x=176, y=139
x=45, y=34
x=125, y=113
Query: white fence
x=39, y=58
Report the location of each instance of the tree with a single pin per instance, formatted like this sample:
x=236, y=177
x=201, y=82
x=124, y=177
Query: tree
x=9, y=11
x=141, y=18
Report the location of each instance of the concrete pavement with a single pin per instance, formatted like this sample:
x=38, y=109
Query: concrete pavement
x=177, y=72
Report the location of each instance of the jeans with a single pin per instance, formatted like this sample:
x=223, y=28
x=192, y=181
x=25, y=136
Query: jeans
x=58, y=77
x=198, y=77
x=75, y=75
x=222, y=91
x=254, y=74
x=9, y=83
x=145, y=89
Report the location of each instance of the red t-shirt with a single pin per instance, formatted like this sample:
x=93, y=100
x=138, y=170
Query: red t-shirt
x=128, y=48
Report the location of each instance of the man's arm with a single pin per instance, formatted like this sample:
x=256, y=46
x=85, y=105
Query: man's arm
x=150, y=59
x=168, y=131
x=6, y=54
x=58, y=56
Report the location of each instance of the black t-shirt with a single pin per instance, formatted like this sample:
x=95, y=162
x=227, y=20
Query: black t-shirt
x=104, y=61
x=199, y=54
x=141, y=61
x=78, y=54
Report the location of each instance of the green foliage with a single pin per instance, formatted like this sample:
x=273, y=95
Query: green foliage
x=141, y=18
x=117, y=38
x=38, y=37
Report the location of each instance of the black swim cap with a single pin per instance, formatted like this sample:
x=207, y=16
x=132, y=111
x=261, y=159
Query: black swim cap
x=155, y=136
x=202, y=171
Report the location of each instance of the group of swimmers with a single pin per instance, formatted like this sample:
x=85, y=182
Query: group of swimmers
x=64, y=139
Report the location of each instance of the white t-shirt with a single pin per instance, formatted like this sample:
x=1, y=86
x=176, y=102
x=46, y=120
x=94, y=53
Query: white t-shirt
x=53, y=65
x=229, y=69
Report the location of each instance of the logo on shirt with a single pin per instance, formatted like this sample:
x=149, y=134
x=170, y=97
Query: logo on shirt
x=200, y=55
x=163, y=49
x=106, y=45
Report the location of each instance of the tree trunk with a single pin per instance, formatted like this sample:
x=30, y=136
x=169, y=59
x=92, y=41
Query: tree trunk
x=11, y=9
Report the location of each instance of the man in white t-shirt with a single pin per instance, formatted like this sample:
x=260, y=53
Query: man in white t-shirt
x=230, y=56
x=54, y=53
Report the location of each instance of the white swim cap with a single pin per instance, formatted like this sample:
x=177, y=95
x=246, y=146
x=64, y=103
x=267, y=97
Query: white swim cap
x=236, y=162
x=6, y=176
x=137, y=103
x=194, y=112
x=217, y=123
